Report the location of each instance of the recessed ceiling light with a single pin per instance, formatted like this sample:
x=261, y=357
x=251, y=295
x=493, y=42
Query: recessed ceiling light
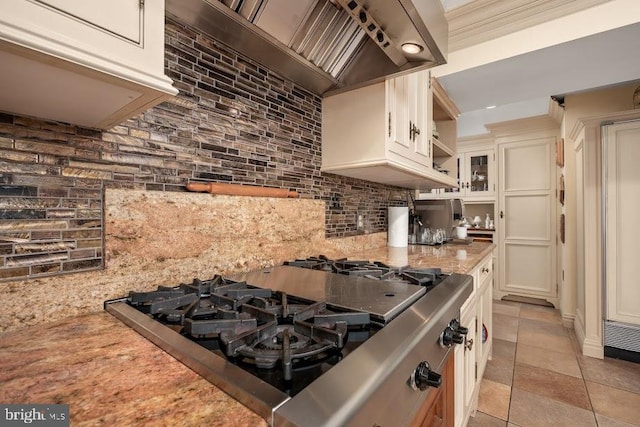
x=411, y=48
x=491, y=107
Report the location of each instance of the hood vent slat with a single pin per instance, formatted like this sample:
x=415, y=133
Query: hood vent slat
x=326, y=43
x=249, y=9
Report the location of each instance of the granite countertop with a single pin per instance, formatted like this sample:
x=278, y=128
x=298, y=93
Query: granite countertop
x=451, y=258
x=110, y=375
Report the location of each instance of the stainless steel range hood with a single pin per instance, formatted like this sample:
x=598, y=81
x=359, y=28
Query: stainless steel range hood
x=324, y=45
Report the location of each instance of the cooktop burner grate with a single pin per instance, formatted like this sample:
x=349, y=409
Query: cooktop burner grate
x=427, y=277
x=255, y=326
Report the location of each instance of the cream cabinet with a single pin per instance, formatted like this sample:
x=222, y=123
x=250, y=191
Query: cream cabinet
x=476, y=174
x=407, y=102
x=381, y=133
x=93, y=64
x=465, y=368
x=471, y=358
x=484, y=313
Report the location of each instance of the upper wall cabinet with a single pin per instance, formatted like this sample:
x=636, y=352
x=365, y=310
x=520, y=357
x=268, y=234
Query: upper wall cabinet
x=93, y=64
x=382, y=133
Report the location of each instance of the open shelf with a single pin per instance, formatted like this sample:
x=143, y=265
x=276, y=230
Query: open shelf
x=440, y=149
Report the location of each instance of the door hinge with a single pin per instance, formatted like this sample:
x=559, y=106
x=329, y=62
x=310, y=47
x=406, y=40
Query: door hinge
x=476, y=325
x=141, y=4
x=475, y=374
x=389, y=125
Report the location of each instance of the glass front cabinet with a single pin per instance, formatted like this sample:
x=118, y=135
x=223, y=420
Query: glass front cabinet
x=476, y=174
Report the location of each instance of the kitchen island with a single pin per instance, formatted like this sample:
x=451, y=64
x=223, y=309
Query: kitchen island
x=109, y=374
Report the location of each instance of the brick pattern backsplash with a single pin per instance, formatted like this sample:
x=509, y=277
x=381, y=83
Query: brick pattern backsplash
x=233, y=121
x=47, y=230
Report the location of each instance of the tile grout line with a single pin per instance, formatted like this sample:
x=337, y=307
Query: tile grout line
x=513, y=373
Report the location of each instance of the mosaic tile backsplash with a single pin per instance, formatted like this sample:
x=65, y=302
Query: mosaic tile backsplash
x=47, y=230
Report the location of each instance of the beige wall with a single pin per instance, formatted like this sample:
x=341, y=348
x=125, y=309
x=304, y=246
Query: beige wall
x=580, y=106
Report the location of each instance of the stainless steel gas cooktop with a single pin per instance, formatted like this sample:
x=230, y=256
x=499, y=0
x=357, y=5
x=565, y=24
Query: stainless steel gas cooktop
x=310, y=347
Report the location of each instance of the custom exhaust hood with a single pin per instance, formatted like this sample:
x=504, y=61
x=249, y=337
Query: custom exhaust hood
x=325, y=45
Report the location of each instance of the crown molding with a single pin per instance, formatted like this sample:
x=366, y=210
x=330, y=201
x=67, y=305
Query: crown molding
x=543, y=124
x=476, y=140
x=556, y=112
x=483, y=20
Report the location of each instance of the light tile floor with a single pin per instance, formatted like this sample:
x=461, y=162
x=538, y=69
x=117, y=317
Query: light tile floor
x=538, y=376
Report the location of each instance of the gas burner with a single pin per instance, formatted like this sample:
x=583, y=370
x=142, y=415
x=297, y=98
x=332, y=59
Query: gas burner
x=283, y=334
x=253, y=325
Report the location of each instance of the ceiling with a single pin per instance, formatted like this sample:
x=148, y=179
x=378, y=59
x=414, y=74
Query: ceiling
x=452, y=4
x=521, y=85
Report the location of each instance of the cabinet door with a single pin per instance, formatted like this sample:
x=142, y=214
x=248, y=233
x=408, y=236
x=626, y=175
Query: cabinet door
x=398, y=100
x=420, y=102
x=479, y=173
x=469, y=320
x=465, y=366
x=409, y=141
x=484, y=313
x=122, y=18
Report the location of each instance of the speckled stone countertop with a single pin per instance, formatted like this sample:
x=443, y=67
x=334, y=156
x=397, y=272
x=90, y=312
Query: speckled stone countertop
x=449, y=257
x=110, y=375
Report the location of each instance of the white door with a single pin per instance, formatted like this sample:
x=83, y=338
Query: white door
x=622, y=186
x=526, y=218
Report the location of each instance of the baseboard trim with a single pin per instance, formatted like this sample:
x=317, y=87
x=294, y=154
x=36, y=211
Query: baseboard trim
x=568, y=320
x=592, y=348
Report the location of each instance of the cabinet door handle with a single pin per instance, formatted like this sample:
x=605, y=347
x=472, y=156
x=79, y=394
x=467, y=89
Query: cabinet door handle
x=413, y=131
x=485, y=270
x=469, y=344
x=501, y=214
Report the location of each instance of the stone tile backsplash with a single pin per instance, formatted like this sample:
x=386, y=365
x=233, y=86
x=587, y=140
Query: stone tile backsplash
x=50, y=230
x=233, y=121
